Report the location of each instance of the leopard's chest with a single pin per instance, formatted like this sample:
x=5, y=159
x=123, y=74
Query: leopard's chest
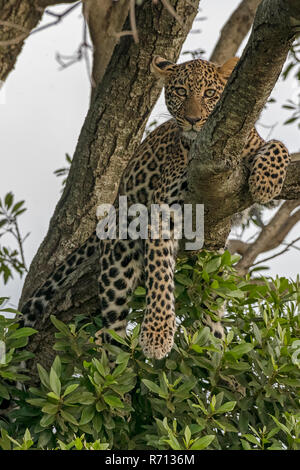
x=157, y=162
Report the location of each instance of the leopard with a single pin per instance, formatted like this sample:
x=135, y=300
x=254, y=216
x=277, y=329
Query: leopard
x=157, y=174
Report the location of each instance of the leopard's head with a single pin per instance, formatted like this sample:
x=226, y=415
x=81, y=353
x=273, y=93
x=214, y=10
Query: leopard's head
x=192, y=89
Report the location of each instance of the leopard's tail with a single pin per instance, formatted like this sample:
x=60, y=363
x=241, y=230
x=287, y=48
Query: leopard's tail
x=36, y=306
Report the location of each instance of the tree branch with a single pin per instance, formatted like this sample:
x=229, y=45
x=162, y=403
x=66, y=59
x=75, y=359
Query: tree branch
x=277, y=254
x=105, y=18
x=271, y=236
x=234, y=31
x=217, y=175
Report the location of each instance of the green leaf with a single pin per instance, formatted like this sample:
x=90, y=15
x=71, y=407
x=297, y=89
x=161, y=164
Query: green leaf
x=43, y=376
x=113, y=401
x=60, y=326
x=187, y=435
x=251, y=438
x=70, y=389
x=47, y=420
x=202, y=443
x=241, y=349
x=26, y=331
x=53, y=395
x=184, y=280
x=17, y=206
x=50, y=408
x=57, y=366
x=5, y=442
x=68, y=417
x=87, y=415
x=8, y=200
x=229, y=406
x=4, y=392
x=281, y=426
x=152, y=386
x=117, y=337
x=55, y=382
x=213, y=265
x=140, y=292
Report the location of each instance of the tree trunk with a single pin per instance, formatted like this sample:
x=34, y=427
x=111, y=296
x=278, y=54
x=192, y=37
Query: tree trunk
x=17, y=19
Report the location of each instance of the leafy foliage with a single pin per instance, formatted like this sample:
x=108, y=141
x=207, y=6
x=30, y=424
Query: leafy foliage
x=241, y=393
x=11, y=259
x=12, y=339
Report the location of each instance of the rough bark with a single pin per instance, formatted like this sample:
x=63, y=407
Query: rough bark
x=234, y=31
x=17, y=19
x=217, y=175
x=105, y=19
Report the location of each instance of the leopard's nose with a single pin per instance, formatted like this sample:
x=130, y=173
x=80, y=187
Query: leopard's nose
x=192, y=120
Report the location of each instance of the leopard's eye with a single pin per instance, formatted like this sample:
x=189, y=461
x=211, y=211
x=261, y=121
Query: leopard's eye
x=209, y=93
x=180, y=91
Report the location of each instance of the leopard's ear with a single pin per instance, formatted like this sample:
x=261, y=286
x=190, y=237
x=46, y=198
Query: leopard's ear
x=162, y=67
x=228, y=67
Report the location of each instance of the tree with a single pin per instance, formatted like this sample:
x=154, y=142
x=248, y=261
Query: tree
x=115, y=123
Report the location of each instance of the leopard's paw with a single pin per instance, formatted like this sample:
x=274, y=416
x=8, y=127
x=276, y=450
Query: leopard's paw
x=157, y=335
x=263, y=189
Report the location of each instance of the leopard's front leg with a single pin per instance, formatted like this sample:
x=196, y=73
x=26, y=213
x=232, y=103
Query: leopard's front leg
x=160, y=249
x=268, y=171
x=159, y=324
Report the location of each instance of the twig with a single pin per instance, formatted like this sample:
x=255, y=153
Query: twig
x=133, y=31
x=277, y=254
x=58, y=16
x=270, y=127
x=20, y=243
x=132, y=21
x=85, y=47
x=126, y=32
x=26, y=33
x=295, y=247
x=271, y=236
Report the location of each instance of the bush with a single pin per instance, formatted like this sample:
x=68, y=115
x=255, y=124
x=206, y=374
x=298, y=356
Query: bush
x=241, y=393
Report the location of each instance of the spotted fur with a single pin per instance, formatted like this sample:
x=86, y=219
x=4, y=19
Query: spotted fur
x=157, y=174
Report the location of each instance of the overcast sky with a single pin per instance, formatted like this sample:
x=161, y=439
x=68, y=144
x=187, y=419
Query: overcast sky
x=42, y=110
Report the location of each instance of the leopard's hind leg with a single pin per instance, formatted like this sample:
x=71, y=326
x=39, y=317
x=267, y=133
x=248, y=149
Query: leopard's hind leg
x=120, y=270
x=268, y=171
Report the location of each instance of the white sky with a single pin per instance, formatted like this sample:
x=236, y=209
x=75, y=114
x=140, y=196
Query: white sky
x=42, y=110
